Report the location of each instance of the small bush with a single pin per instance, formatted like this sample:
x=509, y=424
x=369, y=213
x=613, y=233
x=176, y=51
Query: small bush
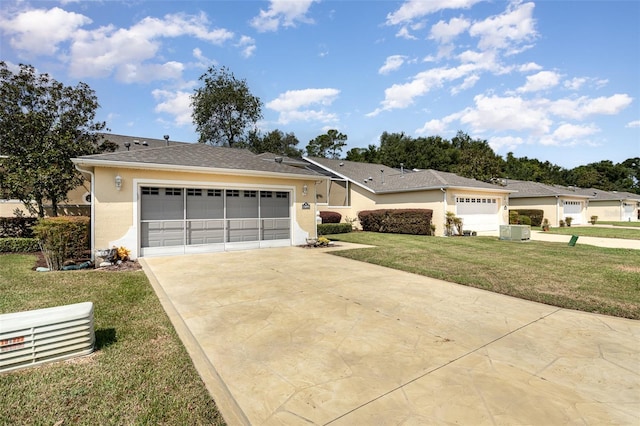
x=19, y=245
x=397, y=221
x=534, y=215
x=524, y=220
x=593, y=220
x=334, y=228
x=513, y=217
x=62, y=238
x=330, y=217
x=17, y=227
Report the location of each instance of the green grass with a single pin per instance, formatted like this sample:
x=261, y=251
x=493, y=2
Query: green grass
x=587, y=278
x=596, y=231
x=635, y=224
x=140, y=372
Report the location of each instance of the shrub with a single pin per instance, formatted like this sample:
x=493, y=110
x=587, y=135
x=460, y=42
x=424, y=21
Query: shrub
x=513, y=217
x=524, y=220
x=334, y=228
x=568, y=220
x=62, y=238
x=19, y=245
x=593, y=220
x=17, y=227
x=534, y=215
x=397, y=221
x=330, y=217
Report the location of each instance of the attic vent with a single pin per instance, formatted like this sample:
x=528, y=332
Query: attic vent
x=145, y=143
x=44, y=335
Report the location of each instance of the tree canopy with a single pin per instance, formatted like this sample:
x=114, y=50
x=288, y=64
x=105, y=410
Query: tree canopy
x=43, y=124
x=224, y=110
x=276, y=142
x=328, y=145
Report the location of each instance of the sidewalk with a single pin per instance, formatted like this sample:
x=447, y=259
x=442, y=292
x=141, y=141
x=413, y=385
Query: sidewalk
x=592, y=241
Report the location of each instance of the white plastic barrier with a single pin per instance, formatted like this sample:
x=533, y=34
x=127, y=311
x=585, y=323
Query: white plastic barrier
x=44, y=335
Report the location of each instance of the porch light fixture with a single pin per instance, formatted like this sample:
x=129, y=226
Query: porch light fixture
x=118, y=182
x=305, y=189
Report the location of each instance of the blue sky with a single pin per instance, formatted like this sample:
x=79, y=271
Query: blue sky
x=552, y=80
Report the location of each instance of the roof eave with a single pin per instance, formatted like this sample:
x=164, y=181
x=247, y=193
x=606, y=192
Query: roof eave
x=192, y=169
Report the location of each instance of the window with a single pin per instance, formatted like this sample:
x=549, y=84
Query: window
x=214, y=192
x=193, y=192
x=250, y=194
x=233, y=193
x=282, y=195
x=146, y=190
x=173, y=191
x=266, y=194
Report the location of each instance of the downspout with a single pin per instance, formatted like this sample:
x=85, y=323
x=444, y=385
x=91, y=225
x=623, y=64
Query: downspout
x=444, y=212
x=557, y=210
x=93, y=213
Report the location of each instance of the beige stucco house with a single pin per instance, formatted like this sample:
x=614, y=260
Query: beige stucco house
x=353, y=187
x=613, y=206
x=559, y=202
x=190, y=198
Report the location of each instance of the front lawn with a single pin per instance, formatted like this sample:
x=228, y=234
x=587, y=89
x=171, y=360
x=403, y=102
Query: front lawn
x=140, y=372
x=596, y=231
x=587, y=278
x=634, y=224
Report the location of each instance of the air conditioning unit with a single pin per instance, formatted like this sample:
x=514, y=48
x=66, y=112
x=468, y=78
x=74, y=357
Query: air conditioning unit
x=515, y=232
x=44, y=335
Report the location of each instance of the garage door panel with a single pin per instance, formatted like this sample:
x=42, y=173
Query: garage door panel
x=573, y=209
x=205, y=232
x=479, y=214
x=162, y=234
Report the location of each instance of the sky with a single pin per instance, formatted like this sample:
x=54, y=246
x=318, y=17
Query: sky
x=558, y=81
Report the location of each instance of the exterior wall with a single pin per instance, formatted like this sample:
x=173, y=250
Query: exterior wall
x=116, y=213
x=362, y=199
x=550, y=206
x=610, y=210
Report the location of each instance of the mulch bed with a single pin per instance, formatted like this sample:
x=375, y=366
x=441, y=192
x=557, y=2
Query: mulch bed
x=130, y=265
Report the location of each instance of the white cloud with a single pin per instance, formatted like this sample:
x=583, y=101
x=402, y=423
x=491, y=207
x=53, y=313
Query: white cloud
x=40, y=31
x=392, y=63
x=295, y=105
x=416, y=9
x=540, y=81
x=507, y=31
x=531, y=66
x=507, y=143
x=445, y=32
x=575, y=83
x=248, y=46
x=569, y=131
x=582, y=107
x=494, y=113
x=141, y=73
x=468, y=83
x=99, y=52
x=174, y=103
x=433, y=127
x=633, y=124
x=404, y=33
x=282, y=12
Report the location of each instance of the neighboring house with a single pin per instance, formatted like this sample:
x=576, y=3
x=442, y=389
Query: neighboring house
x=557, y=202
x=192, y=198
x=79, y=199
x=353, y=187
x=613, y=206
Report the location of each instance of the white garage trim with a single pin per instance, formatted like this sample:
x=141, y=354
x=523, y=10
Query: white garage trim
x=478, y=213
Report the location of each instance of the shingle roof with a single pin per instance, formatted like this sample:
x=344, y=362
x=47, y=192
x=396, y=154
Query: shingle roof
x=136, y=142
x=528, y=189
x=600, y=195
x=379, y=178
x=192, y=155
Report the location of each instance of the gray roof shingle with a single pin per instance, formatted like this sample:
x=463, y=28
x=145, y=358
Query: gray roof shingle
x=193, y=155
x=379, y=178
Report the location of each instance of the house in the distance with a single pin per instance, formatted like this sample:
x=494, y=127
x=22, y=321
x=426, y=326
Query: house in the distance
x=613, y=205
x=353, y=187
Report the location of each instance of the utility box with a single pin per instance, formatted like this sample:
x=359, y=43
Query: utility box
x=515, y=232
x=51, y=334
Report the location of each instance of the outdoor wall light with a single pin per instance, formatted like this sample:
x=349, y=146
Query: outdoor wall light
x=305, y=189
x=118, y=182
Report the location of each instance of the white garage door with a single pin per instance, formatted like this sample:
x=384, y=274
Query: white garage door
x=193, y=220
x=573, y=209
x=478, y=213
x=627, y=212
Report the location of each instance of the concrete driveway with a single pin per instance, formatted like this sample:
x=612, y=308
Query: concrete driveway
x=292, y=336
